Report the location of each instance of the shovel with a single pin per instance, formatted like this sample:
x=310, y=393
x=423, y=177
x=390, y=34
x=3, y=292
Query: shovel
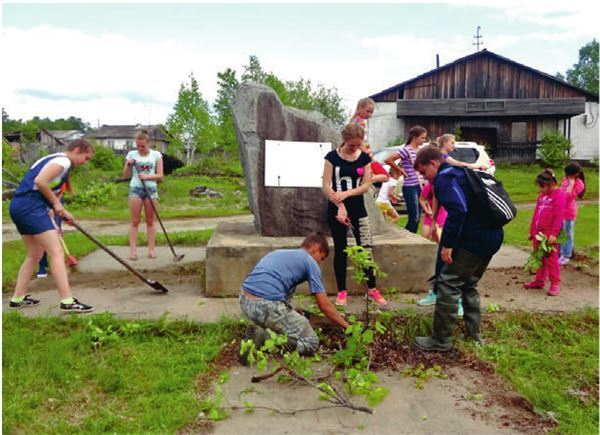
x=154, y=284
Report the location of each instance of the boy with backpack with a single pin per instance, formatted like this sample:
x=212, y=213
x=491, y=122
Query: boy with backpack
x=469, y=240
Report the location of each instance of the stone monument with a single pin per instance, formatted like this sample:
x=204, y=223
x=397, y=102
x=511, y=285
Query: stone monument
x=284, y=215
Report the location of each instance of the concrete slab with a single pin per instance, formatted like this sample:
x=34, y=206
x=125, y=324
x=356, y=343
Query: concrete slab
x=440, y=407
x=509, y=256
x=235, y=248
x=100, y=261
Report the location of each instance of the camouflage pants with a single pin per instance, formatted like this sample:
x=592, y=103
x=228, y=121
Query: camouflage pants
x=280, y=317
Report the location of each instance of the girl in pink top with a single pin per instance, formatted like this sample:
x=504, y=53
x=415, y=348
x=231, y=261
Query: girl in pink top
x=574, y=186
x=431, y=230
x=547, y=219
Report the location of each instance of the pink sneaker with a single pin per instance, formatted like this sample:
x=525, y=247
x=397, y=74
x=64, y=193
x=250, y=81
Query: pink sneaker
x=533, y=284
x=376, y=296
x=554, y=290
x=342, y=298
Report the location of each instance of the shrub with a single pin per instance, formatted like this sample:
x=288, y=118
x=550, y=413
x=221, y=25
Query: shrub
x=105, y=159
x=554, y=150
x=396, y=142
x=97, y=193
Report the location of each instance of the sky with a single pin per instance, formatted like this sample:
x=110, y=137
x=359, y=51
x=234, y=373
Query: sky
x=112, y=63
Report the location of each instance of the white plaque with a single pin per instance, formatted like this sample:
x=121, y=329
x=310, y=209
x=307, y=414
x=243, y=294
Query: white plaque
x=294, y=164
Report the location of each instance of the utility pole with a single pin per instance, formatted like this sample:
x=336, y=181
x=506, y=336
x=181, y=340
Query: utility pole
x=478, y=38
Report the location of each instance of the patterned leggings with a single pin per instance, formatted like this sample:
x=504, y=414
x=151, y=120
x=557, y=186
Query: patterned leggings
x=362, y=235
x=280, y=317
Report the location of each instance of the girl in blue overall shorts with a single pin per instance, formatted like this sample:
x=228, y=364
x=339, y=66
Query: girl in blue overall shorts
x=29, y=210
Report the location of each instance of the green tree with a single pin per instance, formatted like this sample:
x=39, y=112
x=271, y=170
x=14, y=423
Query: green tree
x=584, y=73
x=253, y=72
x=300, y=94
x=228, y=86
x=191, y=125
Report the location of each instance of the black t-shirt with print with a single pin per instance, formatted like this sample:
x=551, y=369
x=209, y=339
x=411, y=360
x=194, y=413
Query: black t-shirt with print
x=346, y=176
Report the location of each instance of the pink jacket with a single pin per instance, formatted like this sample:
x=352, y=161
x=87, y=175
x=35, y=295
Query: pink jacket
x=549, y=213
x=571, y=206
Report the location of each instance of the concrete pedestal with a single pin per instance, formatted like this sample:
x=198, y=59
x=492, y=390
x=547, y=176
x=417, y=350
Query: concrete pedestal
x=235, y=248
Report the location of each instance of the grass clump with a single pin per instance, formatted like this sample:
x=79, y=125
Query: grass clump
x=552, y=360
x=101, y=374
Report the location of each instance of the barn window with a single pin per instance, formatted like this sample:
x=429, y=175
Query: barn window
x=519, y=132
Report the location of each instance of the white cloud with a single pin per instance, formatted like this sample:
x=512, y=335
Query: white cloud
x=578, y=19
x=116, y=72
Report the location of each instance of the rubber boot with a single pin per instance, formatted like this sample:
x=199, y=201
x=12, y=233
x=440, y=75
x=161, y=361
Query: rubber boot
x=258, y=335
x=444, y=320
x=290, y=345
x=472, y=317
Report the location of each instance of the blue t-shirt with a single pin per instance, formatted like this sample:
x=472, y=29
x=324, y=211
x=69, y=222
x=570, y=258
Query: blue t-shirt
x=277, y=274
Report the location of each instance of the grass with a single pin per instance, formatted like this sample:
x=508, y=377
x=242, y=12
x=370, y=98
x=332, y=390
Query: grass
x=518, y=180
x=98, y=374
x=174, y=202
x=79, y=245
x=552, y=360
x=586, y=229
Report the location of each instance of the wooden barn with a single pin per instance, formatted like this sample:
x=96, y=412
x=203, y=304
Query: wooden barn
x=494, y=101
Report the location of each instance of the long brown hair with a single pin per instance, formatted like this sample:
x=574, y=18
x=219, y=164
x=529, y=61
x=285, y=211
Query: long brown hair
x=416, y=131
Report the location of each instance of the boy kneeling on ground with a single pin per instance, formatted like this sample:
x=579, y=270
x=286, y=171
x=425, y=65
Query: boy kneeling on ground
x=267, y=290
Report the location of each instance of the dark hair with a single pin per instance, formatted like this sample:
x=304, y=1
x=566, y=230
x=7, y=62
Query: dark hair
x=575, y=168
x=416, y=131
x=318, y=239
x=83, y=145
x=426, y=155
x=546, y=177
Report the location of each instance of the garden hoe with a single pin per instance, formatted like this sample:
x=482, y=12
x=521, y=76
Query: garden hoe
x=71, y=261
x=175, y=256
x=154, y=284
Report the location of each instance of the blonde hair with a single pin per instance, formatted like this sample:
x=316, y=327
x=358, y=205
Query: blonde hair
x=362, y=103
x=352, y=131
x=443, y=139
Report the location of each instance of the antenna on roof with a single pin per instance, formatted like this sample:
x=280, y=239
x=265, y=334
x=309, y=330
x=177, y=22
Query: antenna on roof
x=477, y=38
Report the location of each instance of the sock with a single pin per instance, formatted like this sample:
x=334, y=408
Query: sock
x=67, y=301
x=17, y=299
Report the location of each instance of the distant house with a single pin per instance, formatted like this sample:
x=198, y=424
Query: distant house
x=121, y=138
x=57, y=140
x=493, y=101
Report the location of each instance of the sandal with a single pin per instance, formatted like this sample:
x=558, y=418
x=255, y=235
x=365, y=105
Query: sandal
x=133, y=257
x=152, y=256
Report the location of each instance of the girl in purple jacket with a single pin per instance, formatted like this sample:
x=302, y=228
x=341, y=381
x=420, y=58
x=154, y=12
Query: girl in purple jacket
x=548, y=220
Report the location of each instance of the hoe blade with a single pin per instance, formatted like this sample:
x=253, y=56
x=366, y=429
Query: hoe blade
x=158, y=286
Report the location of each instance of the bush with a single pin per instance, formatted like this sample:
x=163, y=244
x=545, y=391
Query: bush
x=396, y=142
x=105, y=159
x=97, y=193
x=554, y=150
x=221, y=164
x=11, y=164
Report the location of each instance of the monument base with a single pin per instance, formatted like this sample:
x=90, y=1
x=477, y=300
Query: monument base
x=235, y=248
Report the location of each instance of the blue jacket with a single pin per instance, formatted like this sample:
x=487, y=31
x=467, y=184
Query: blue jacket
x=464, y=225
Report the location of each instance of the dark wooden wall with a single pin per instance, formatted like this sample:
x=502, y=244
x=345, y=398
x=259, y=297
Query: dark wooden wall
x=481, y=77
x=498, y=131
